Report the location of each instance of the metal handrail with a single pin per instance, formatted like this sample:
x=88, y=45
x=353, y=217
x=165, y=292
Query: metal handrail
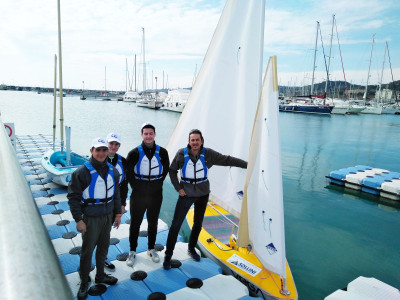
x=29, y=267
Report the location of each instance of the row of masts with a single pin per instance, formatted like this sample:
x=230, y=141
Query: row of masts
x=327, y=64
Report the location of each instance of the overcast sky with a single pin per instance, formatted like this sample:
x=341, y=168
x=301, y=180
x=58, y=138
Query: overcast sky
x=98, y=36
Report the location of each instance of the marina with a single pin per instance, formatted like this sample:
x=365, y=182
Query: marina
x=332, y=235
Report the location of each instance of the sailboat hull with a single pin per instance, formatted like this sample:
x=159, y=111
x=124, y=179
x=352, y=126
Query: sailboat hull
x=54, y=162
x=215, y=243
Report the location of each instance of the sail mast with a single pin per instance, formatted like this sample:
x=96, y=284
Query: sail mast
x=60, y=78
x=144, y=63
x=55, y=102
x=369, y=69
x=380, y=82
x=391, y=71
x=315, y=56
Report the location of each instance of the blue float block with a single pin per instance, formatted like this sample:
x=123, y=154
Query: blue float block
x=46, y=209
x=56, y=231
x=373, y=181
x=162, y=237
x=128, y=289
x=35, y=182
x=125, y=217
x=63, y=205
x=113, y=252
x=166, y=281
x=40, y=171
x=123, y=245
x=142, y=244
x=203, y=269
x=37, y=194
x=69, y=262
x=71, y=226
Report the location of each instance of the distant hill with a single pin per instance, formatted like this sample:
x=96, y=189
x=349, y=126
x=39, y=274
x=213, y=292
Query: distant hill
x=337, y=89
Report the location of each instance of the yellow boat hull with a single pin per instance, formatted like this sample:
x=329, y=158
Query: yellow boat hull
x=259, y=280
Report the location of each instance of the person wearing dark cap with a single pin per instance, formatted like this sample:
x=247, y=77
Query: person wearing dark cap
x=194, y=162
x=147, y=167
x=118, y=162
x=94, y=200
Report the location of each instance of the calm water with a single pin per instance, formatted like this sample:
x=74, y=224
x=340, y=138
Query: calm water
x=332, y=235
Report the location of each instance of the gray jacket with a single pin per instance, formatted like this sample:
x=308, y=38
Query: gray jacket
x=80, y=180
x=212, y=158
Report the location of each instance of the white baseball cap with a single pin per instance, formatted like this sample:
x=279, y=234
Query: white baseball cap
x=148, y=125
x=113, y=137
x=99, y=142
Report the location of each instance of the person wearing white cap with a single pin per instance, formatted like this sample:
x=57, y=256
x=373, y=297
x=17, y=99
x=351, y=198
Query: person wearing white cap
x=119, y=162
x=147, y=167
x=94, y=200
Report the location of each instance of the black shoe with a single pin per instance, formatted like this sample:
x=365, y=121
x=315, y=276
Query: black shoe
x=83, y=291
x=167, y=262
x=107, y=279
x=193, y=254
x=109, y=265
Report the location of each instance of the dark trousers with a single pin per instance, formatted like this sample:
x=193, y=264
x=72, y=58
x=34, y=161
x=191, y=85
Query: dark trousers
x=182, y=207
x=139, y=204
x=97, y=234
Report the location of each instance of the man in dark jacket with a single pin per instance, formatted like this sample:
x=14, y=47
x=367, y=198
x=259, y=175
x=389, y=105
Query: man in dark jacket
x=94, y=200
x=119, y=162
x=193, y=188
x=147, y=167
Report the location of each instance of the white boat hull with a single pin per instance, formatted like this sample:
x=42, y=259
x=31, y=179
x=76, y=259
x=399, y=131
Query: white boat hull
x=56, y=168
x=154, y=104
x=375, y=110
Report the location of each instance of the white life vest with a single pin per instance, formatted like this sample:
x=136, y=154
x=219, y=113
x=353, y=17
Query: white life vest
x=194, y=172
x=146, y=169
x=99, y=191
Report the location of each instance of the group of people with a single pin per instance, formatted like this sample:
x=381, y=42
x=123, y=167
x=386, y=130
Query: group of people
x=98, y=190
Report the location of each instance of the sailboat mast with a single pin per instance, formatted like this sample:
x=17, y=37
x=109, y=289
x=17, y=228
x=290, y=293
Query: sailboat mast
x=126, y=74
x=60, y=78
x=369, y=69
x=380, y=81
x=135, y=74
x=329, y=57
x=391, y=71
x=55, y=100
x=315, y=56
x=105, y=80
x=144, y=63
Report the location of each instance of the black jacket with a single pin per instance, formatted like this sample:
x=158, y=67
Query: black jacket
x=80, y=180
x=123, y=187
x=144, y=186
x=211, y=158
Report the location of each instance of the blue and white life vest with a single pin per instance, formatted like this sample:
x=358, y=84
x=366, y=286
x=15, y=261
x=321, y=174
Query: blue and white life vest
x=99, y=191
x=120, y=168
x=146, y=169
x=194, y=172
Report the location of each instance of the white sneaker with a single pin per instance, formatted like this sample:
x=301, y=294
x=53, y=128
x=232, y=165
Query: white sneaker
x=131, y=258
x=154, y=256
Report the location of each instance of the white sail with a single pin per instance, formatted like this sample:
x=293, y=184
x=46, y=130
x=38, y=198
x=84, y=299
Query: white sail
x=224, y=97
x=263, y=190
